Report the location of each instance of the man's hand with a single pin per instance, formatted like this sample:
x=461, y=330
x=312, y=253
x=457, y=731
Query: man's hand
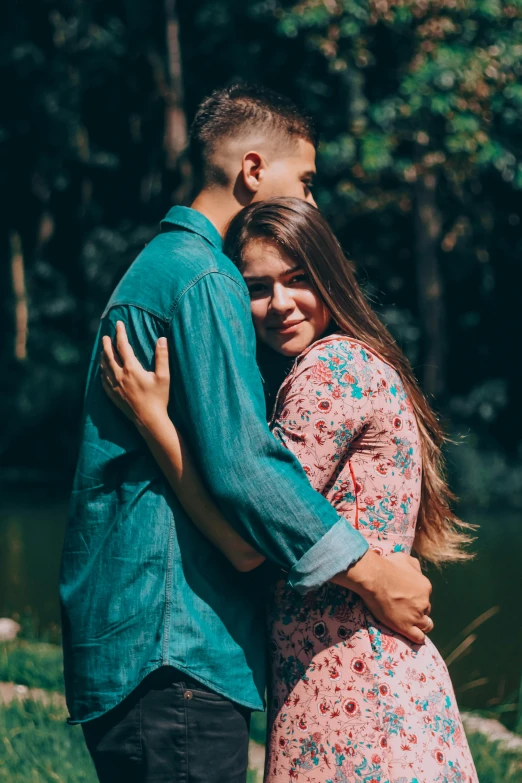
x=395, y=591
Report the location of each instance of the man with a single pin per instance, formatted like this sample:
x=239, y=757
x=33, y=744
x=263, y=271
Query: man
x=164, y=642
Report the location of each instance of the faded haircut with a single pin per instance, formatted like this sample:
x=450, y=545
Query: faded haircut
x=235, y=111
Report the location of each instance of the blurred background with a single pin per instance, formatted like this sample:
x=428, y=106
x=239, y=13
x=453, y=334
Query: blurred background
x=419, y=107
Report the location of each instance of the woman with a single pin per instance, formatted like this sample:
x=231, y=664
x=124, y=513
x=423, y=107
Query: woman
x=350, y=700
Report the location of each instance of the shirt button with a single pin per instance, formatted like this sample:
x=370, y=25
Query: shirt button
x=188, y=695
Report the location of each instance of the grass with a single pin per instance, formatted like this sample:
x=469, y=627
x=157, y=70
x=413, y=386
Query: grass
x=35, y=664
x=37, y=746
x=258, y=727
x=494, y=765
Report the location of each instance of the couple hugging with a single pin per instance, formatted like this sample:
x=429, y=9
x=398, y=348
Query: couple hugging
x=194, y=526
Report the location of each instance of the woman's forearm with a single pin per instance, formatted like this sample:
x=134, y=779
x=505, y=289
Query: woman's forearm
x=171, y=454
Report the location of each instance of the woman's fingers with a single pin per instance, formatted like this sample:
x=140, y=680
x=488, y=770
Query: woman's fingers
x=123, y=345
x=107, y=388
x=111, y=359
x=162, y=359
x=106, y=385
x=108, y=371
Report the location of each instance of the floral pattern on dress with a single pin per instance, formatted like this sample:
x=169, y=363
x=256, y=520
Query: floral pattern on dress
x=351, y=700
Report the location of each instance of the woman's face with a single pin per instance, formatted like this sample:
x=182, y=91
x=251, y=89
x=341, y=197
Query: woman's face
x=288, y=314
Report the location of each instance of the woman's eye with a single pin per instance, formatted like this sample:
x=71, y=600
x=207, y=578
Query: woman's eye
x=256, y=289
x=302, y=278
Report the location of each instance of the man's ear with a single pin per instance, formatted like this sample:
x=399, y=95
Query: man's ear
x=253, y=169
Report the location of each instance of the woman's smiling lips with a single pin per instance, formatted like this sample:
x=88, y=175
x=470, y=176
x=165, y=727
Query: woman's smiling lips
x=286, y=328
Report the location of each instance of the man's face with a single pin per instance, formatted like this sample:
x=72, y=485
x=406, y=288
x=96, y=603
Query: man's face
x=291, y=175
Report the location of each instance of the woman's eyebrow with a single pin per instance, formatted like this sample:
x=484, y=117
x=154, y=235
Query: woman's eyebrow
x=259, y=278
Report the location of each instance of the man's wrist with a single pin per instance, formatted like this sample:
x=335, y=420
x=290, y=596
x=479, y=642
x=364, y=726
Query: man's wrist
x=362, y=577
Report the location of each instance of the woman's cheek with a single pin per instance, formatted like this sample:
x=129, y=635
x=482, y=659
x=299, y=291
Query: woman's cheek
x=327, y=318
x=313, y=308
x=258, y=316
x=321, y=321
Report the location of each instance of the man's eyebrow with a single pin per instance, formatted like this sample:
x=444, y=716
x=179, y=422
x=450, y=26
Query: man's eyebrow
x=309, y=174
x=255, y=278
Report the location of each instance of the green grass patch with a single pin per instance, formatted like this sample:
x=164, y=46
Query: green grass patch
x=37, y=746
x=35, y=664
x=494, y=765
x=258, y=727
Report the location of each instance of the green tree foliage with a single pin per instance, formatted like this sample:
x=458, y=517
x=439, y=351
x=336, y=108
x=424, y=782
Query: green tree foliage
x=422, y=110
x=85, y=105
x=419, y=107
x=430, y=85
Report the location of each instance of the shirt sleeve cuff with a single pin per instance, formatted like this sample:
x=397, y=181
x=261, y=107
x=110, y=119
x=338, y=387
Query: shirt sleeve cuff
x=340, y=548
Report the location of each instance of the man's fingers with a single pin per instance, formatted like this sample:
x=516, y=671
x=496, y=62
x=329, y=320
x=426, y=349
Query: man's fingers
x=162, y=358
x=123, y=345
x=415, y=563
x=426, y=624
x=415, y=635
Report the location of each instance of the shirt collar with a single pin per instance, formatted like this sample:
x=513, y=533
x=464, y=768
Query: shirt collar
x=193, y=221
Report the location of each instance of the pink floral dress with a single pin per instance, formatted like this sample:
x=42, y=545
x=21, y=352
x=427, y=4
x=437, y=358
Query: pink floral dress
x=351, y=700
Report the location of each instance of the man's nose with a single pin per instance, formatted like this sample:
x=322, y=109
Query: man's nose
x=281, y=300
x=311, y=200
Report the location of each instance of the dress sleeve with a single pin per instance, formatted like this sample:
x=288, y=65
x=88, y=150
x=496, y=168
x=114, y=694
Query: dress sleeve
x=325, y=406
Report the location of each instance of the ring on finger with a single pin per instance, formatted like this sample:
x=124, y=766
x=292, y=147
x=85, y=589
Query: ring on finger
x=429, y=626
x=107, y=378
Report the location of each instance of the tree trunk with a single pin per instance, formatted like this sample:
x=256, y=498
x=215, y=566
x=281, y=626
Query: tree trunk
x=176, y=131
x=176, y=122
x=20, y=297
x=428, y=230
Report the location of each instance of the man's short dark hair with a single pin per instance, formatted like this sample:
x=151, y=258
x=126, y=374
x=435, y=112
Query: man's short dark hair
x=236, y=110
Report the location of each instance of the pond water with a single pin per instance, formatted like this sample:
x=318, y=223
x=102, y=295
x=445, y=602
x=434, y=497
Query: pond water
x=486, y=671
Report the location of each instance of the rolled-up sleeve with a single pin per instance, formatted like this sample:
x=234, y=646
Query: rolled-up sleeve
x=321, y=562
x=217, y=398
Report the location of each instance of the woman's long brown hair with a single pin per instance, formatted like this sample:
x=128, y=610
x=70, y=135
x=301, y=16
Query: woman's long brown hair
x=305, y=236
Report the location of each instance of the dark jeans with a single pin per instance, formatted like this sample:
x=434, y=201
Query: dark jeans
x=171, y=729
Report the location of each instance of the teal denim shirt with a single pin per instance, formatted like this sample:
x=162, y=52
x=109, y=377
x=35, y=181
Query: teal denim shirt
x=140, y=586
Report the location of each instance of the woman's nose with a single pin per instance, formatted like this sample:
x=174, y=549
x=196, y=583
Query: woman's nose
x=281, y=300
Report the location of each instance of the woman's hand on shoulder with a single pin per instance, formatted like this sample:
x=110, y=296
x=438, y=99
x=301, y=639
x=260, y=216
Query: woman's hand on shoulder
x=141, y=395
